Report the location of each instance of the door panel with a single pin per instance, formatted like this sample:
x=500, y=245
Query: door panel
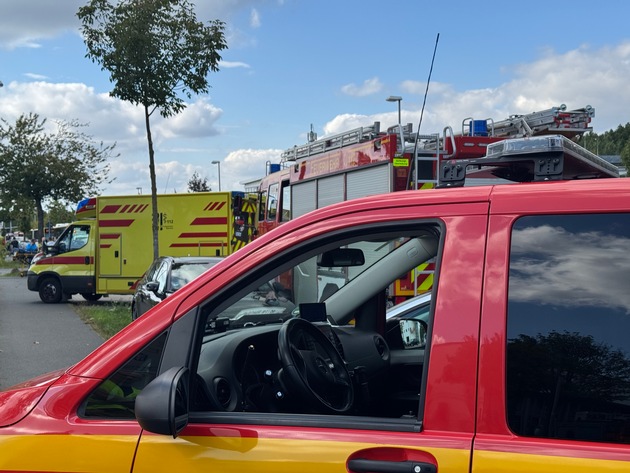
x=553, y=358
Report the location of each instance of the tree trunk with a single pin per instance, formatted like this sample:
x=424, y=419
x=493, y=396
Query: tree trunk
x=154, y=206
x=40, y=219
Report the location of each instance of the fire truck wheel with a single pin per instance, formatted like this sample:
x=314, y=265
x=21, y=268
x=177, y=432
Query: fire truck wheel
x=50, y=291
x=91, y=297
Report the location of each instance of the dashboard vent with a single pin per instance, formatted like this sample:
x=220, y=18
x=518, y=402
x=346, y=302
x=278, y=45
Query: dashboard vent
x=223, y=392
x=381, y=347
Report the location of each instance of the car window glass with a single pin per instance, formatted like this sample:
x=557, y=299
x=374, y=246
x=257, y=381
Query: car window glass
x=183, y=273
x=241, y=363
x=75, y=237
x=262, y=205
x=272, y=203
x=568, y=350
x=286, y=202
x=161, y=275
x=150, y=274
x=115, y=397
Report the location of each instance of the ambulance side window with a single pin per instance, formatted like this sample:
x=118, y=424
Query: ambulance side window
x=568, y=320
x=75, y=238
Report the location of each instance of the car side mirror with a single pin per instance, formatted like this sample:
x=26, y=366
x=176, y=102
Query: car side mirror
x=414, y=333
x=162, y=406
x=152, y=286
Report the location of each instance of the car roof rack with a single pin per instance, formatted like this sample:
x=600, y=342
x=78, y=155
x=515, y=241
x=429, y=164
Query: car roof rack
x=531, y=159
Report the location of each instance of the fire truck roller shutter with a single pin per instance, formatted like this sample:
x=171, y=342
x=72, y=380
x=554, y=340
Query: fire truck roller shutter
x=370, y=181
x=330, y=190
x=303, y=198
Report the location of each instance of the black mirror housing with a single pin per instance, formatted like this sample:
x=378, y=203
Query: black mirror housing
x=162, y=406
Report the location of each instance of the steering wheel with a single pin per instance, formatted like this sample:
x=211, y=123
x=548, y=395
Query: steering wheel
x=312, y=366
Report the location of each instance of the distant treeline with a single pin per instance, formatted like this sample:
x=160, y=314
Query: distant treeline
x=610, y=142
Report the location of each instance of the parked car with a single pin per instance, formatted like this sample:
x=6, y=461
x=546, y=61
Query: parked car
x=522, y=366
x=166, y=275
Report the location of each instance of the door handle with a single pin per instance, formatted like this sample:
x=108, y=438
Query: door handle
x=87, y=260
x=361, y=465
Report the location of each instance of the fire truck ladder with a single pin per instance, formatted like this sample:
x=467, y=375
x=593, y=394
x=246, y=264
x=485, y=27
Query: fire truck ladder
x=553, y=121
x=340, y=140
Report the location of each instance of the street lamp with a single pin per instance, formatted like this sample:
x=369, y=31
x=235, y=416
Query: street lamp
x=218, y=163
x=395, y=98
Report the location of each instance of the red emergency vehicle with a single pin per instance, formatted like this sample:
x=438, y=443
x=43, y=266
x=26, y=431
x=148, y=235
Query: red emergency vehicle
x=520, y=364
x=367, y=161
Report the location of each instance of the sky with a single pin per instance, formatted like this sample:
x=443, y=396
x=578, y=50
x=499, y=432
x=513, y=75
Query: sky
x=329, y=65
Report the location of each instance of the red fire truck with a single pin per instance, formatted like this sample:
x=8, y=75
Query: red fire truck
x=367, y=161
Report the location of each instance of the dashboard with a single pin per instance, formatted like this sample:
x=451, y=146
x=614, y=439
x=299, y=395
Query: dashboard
x=240, y=370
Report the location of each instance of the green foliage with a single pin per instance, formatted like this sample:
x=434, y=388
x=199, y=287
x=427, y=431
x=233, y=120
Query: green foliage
x=608, y=143
x=155, y=50
x=197, y=184
x=625, y=155
x=38, y=165
x=157, y=54
x=58, y=212
x=107, y=318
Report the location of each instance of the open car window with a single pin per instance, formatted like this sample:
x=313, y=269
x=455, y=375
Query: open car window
x=306, y=333
x=340, y=277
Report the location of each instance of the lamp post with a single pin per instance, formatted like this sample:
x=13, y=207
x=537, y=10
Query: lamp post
x=395, y=98
x=218, y=163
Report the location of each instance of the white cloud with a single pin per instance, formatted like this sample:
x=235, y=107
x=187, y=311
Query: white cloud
x=254, y=19
x=369, y=87
x=23, y=26
x=34, y=76
x=198, y=120
x=233, y=64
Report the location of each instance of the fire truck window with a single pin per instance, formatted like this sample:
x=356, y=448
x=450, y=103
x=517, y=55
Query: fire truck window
x=568, y=320
x=262, y=205
x=286, y=202
x=272, y=202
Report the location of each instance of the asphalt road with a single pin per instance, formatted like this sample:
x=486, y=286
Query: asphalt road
x=36, y=338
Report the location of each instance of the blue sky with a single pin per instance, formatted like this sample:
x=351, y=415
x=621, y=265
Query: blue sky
x=291, y=64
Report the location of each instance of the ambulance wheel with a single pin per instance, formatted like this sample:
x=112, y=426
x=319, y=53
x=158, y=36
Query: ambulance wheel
x=50, y=291
x=91, y=297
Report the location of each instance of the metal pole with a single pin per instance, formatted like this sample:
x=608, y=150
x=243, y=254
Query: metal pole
x=218, y=163
x=396, y=98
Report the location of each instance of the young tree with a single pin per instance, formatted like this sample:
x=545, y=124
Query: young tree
x=37, y=166
x=156, y=53
x=197, y=184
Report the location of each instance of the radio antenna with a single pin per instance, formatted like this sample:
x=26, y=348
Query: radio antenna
x=424, y=102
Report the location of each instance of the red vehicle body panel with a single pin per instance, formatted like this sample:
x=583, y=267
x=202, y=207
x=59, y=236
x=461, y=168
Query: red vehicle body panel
x=465, y=399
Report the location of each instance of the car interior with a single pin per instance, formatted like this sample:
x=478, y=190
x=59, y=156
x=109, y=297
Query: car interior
x=326, y=347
